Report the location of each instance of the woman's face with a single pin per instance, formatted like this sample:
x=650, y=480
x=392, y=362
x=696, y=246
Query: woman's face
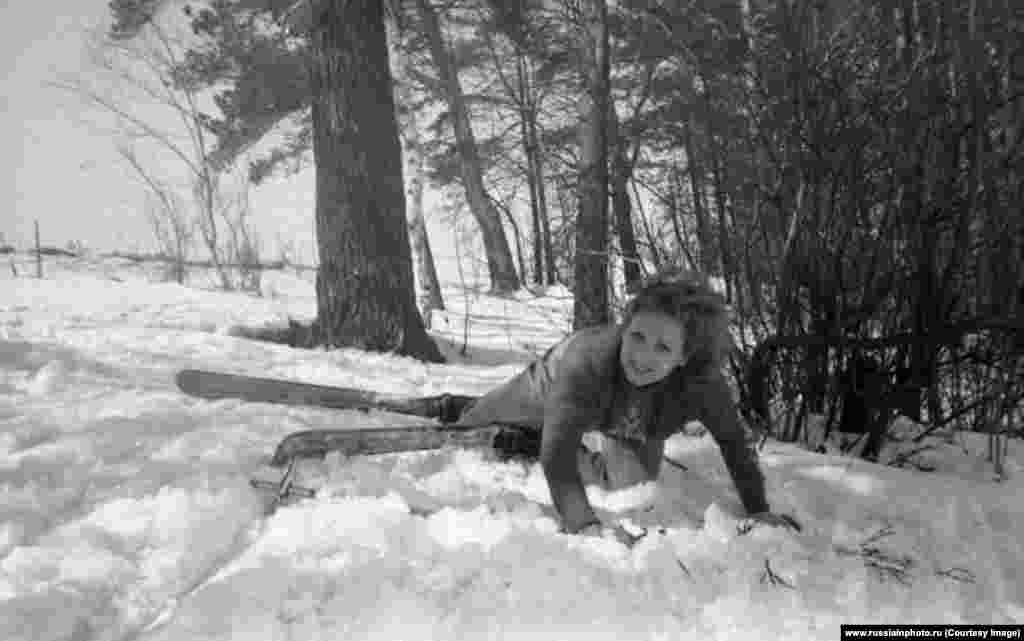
x=652, y=346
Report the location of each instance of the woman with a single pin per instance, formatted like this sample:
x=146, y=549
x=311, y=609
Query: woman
x=636, y=383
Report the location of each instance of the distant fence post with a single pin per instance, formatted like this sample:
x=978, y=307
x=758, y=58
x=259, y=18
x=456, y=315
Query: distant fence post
x=39, y=254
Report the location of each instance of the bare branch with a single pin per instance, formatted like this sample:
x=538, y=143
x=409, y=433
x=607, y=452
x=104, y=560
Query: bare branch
x=96, y=99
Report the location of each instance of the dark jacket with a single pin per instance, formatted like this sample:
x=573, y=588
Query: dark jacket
x=578, y=386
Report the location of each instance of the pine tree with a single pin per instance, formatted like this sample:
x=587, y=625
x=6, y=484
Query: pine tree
x=364, y=283
x=335, y=62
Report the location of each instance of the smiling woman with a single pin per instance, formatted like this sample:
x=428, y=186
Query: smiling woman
x=652, y=346
x=636, y=383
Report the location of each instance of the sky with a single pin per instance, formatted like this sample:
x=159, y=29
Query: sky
x=65, y=173
x=58, y=172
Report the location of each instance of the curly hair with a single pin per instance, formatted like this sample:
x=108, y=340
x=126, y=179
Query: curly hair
x=688, y=297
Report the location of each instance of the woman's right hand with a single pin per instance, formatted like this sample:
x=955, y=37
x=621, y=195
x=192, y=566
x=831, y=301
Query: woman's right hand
x=615, y=531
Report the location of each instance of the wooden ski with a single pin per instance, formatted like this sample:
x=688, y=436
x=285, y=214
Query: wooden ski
x=217, y=385
x=280, y=475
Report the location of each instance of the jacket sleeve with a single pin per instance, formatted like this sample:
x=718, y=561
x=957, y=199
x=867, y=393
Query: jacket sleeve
x=572, y=407
x=709, y=401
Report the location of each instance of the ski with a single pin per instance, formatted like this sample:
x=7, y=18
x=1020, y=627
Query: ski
x=280, y=476
x=389, y=440
x=217, y=386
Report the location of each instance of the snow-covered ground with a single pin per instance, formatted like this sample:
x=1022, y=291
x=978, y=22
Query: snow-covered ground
x=125, y=511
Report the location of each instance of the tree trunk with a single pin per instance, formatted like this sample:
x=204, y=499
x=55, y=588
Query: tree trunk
x=499, y=255
x=536, y=236
x=414, y=159
x=645, y=224
x=430, y=289
x=717, y=174
x=762, y=162
x=534, y=186
x=591, y=265
x=550, y=274
x=543, y=254
x=674, y=214
x=517, y=236
x=622, y=171
x=721, y=203
x=364, y=283
x=707, y=254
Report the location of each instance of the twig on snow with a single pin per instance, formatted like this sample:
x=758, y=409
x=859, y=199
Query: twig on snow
x=769, y=576
x=686, y=570
x=886, y=564
x=963, y=575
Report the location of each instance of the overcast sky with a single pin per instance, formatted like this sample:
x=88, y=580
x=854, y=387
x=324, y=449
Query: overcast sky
x=52, y=171
x=66, y=174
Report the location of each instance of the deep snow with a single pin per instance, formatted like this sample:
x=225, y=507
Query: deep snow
x=126, y=514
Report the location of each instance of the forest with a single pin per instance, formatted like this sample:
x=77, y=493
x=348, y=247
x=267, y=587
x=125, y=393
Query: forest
x=849, y=172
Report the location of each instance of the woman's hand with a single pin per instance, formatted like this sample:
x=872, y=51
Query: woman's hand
x=614, y=531
x=775, y=520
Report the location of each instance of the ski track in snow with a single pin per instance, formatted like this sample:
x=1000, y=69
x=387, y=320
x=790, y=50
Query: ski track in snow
x=126, y=514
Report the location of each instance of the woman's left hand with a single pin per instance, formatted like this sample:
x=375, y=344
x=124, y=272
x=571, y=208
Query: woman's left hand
x=776, y=520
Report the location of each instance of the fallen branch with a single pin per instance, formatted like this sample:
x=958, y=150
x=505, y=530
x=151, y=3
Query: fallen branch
x=879, y=535
x=887, y=565
x=962, y=575
x=769, y=576
x=686, y=570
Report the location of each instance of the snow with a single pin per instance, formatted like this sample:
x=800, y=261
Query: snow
x=125, y=510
